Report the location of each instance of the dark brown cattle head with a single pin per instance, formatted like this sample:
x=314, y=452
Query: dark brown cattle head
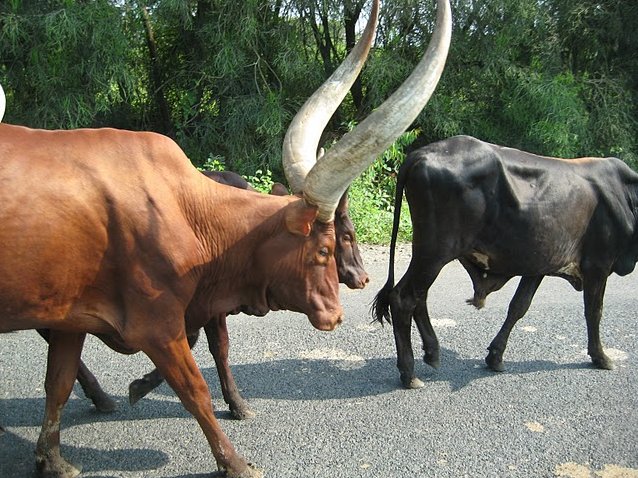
x=349, y=262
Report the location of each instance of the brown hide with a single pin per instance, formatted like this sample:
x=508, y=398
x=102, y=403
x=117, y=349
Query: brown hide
x=114, y=233
x=86, y=233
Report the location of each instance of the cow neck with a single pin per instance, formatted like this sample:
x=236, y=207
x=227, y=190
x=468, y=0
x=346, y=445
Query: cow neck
x=231, y=225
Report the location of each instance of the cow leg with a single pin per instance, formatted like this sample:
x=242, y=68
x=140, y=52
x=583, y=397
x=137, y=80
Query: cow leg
x=62, y=368
x=90, y=385
x=218, y=343
x=175, y=362
x=519, y=305
x=594, y=290
x=431, y=350
x=93, y=390
x=404, y=299
x=141, y=387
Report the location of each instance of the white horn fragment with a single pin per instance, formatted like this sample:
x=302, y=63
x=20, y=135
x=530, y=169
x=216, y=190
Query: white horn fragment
x=3, y=102
x=299, y=153
x=351, y=155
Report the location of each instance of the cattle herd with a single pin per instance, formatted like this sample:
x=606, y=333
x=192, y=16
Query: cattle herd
x=116, y=234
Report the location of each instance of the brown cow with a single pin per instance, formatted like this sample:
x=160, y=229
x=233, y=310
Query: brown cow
x=350, y=271
x=116, y=234
x=349, y=268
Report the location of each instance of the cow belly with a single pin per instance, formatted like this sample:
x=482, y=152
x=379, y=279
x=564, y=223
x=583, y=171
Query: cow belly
x=528, y=263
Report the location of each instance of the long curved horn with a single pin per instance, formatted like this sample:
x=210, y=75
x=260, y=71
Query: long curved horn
x=353, y=153
x=3, y=102
x=304, y=132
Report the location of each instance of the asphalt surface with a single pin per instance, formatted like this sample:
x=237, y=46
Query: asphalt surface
x=330, y=404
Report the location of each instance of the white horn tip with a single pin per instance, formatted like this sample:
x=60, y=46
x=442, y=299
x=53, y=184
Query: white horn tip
x=3, y=102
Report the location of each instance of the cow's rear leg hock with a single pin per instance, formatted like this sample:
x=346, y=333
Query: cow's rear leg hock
x=62, y=368
x=519, y=305
x=594, y=291
x=218, y=344
x=176, y=364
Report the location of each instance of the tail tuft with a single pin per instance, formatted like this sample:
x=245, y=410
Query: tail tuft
x=380, y=308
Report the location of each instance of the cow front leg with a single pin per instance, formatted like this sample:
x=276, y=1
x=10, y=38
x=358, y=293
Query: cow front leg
x=593, y=292
x=89, y=384
x=519, y=305
x=62, y=367
x=218, y=344
x=431, y=348
x=176, y=364
x=140, y=387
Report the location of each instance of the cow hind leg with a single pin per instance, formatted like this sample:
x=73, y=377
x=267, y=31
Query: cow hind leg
x=218, y=344
x=176, y=364
x=519, y=305
x=62, y=367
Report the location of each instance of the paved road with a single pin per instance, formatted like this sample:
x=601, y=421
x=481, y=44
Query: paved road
x=329, y=404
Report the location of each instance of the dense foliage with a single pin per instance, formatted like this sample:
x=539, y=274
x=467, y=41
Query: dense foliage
x=224, y=78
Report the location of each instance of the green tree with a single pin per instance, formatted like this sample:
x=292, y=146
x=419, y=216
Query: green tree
x=64, y=63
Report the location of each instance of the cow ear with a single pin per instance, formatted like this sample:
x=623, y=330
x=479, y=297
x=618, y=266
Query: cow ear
x=299, y=217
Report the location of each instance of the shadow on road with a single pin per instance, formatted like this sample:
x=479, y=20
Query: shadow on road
x=17, y=458
x=285, y=379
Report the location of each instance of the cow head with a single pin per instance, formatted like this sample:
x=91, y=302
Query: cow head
x=299, y=267
x=349, y=262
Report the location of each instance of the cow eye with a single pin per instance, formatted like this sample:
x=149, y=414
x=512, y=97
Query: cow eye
x=347, y=238
x=324, y=252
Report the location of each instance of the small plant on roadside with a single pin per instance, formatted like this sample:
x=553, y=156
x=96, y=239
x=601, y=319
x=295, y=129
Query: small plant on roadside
x=262, y=180
x=372, y=196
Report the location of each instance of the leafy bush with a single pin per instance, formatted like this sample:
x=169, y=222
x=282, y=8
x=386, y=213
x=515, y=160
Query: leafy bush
x=372, y=196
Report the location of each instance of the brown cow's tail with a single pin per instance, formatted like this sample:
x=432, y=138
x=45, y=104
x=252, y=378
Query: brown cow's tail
x=381, y=304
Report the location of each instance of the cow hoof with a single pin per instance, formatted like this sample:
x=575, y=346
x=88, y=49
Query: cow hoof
x=138, y=389
x=249, y=472
x=494, y=363
x=603, y=363
x=56, y=467
x=412, y=383
x=432, y=359
x=242, y=413
x=103, y=403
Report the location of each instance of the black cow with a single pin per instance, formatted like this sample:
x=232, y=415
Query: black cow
x=504, y=213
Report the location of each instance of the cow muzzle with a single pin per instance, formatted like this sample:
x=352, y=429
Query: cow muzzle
x=356, y=280
x=327, y=321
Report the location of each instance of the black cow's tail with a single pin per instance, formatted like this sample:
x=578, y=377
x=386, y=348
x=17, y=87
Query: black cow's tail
x=381, y=304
